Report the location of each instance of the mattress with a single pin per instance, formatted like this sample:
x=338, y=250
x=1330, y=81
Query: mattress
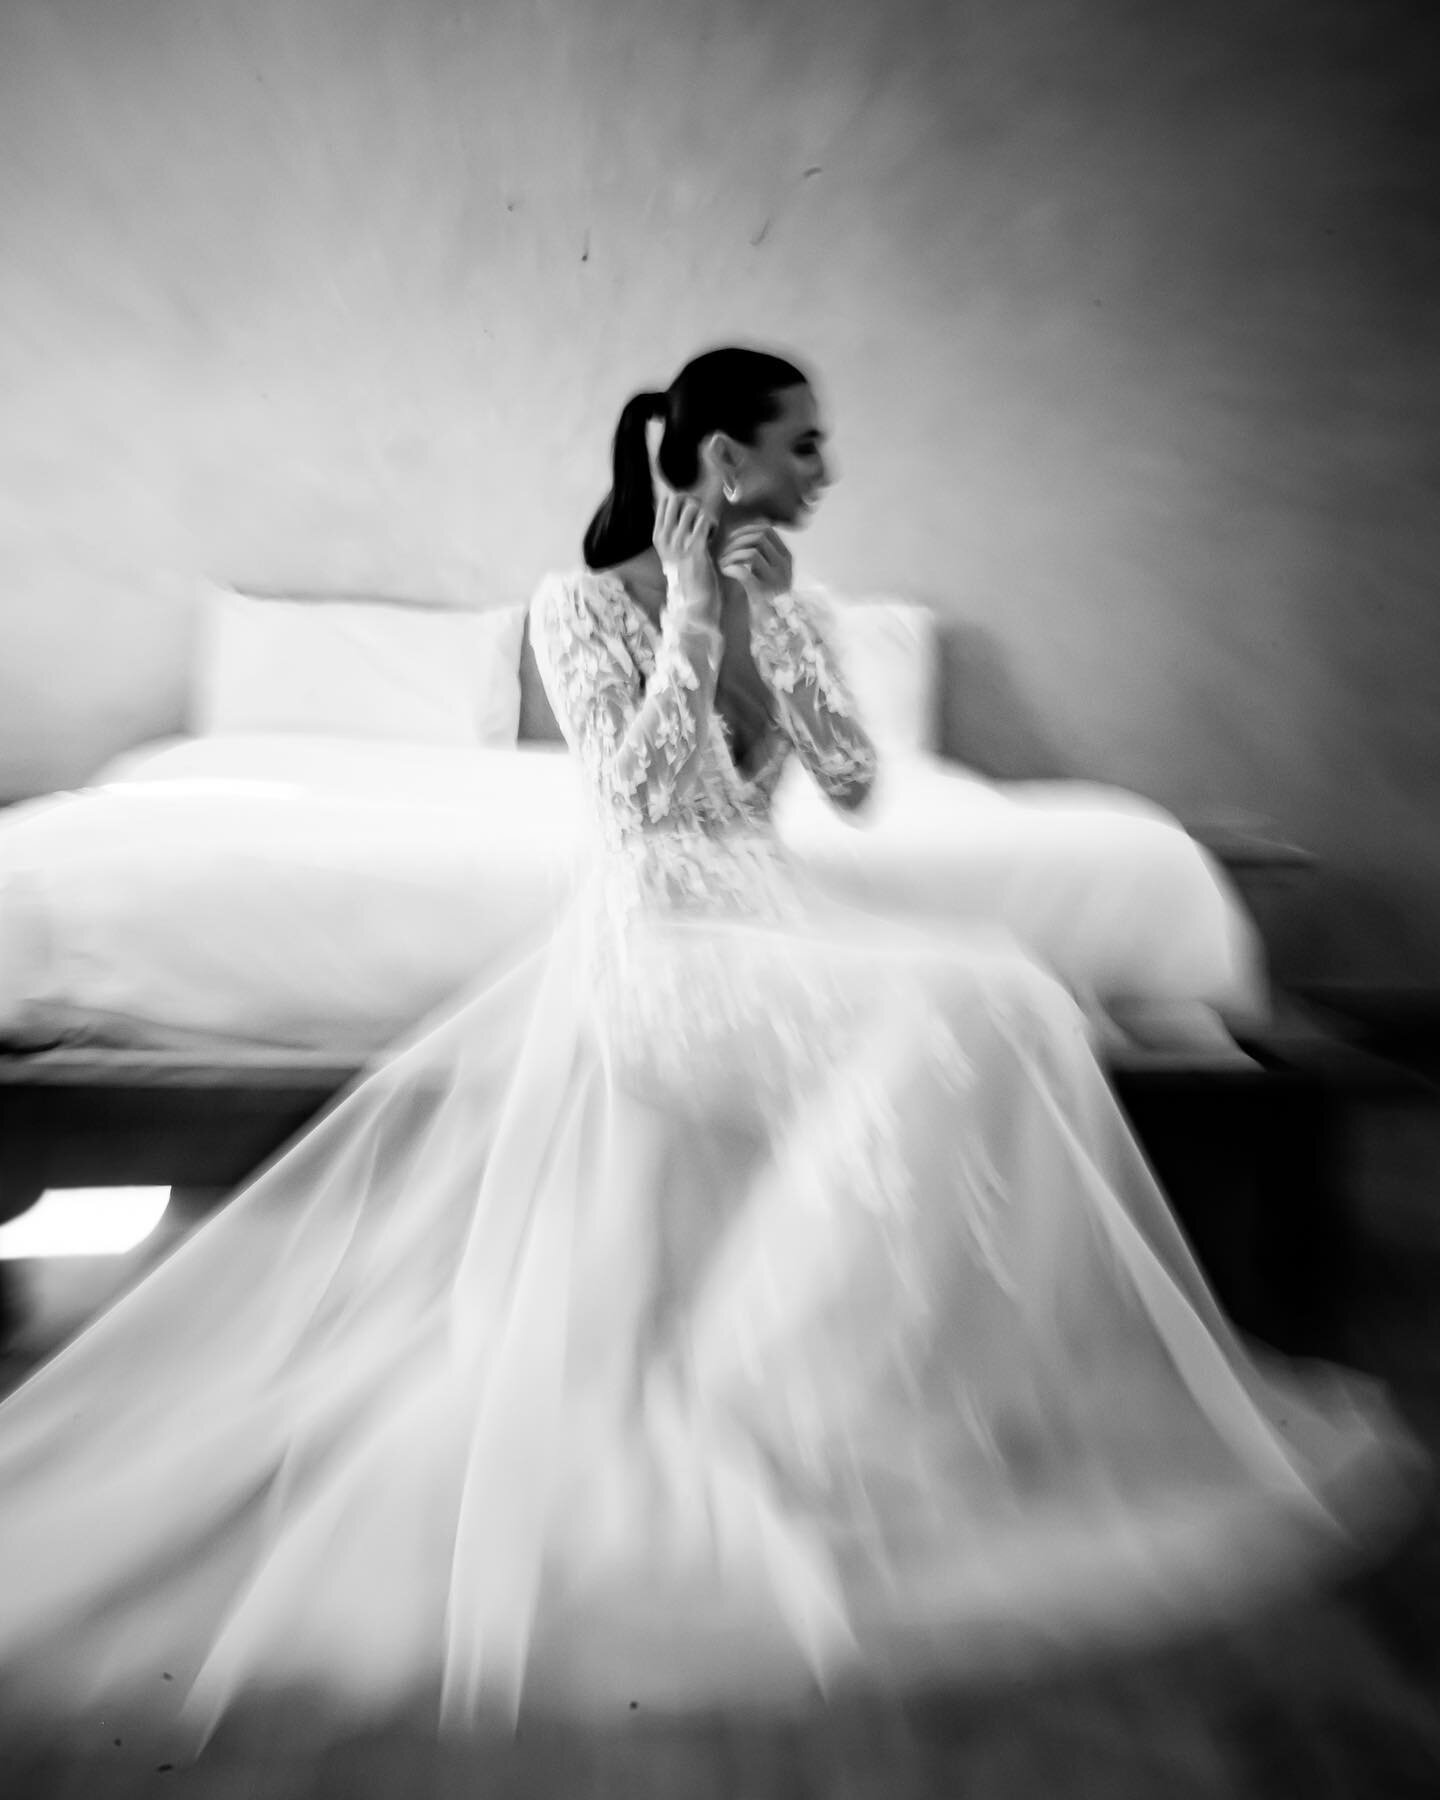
x=328, y=893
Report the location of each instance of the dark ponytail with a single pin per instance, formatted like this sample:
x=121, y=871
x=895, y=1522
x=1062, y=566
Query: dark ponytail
x=625, y=522
x=729, y=390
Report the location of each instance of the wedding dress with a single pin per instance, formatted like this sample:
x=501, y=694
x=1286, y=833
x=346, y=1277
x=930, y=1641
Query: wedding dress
x=740, y=1300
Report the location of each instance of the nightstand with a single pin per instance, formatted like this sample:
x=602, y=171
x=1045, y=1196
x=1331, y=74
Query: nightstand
x=1275, y=878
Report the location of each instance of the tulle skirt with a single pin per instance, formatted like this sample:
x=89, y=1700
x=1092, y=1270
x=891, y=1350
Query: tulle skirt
x=715, y=1310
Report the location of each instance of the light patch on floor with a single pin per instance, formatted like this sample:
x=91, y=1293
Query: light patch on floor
x=76, y=1251
x=106, y=1221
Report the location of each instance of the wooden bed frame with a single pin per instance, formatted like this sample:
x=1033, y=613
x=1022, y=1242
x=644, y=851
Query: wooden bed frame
x=1252, y=1155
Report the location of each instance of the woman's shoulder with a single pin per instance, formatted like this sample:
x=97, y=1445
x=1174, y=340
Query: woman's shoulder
x=582, y=612
x=573, y=600
x=578, y=590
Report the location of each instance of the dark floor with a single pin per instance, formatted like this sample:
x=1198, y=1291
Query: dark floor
x=1335, y=1697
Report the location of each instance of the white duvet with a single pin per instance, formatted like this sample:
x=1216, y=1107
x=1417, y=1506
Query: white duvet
x=328, y=893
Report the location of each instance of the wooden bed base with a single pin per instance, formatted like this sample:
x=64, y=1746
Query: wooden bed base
x=1250, y=1154
x=134, y=1118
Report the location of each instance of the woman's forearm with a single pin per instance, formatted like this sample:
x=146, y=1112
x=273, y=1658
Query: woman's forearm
x=660, y=755
x=815, y=704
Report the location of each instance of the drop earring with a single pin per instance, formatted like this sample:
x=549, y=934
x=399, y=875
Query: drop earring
x=731, y=492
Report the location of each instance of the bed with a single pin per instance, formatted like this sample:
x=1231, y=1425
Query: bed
x=330, y=852
x=372, y=806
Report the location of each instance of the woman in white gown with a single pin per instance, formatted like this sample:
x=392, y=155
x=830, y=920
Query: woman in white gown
x=739, y=1300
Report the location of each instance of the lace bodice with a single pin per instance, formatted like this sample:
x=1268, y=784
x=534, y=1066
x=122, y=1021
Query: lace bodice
x=637, y=705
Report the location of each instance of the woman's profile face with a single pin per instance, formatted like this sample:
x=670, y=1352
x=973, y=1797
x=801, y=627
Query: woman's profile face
x=781, y=476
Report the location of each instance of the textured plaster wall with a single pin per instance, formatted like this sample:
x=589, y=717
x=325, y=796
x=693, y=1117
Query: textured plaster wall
x=1125, y=316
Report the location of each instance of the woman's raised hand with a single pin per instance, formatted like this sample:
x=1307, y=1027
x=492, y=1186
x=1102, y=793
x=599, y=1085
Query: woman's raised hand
x=756, y=556
x=682, y=535
x=682, y=531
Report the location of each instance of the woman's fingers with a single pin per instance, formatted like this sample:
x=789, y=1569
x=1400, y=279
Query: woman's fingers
x=744, y=536
x=757, y=556
x=682, y=526
x=692, y=525
x=681, y=523
x=763, y=540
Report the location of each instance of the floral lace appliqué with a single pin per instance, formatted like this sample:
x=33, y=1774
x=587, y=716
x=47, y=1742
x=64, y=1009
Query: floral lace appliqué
x=791, y=652
x=634, y=702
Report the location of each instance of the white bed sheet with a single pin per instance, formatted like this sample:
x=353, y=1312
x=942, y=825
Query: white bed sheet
x=329, y=893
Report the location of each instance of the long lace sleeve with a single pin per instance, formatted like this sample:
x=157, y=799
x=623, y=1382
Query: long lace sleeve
x=788, y=643
x=640, y=741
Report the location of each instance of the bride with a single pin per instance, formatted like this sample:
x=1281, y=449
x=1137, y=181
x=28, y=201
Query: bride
x=741, y=1300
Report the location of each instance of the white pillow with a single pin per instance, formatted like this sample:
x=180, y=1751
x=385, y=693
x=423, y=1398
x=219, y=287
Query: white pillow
x=889, y=651
x=357, y=668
